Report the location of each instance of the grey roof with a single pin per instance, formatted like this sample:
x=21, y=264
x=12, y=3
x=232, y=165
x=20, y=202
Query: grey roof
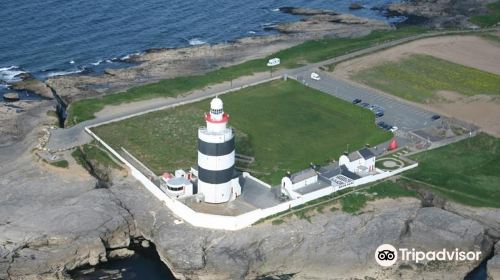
x=332, y=171
x=354, y=156
x=303, y=175
x=366, y=153
x=177, y=181
x=348, y=173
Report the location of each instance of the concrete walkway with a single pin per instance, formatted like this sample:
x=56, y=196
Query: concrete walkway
x=62, y=139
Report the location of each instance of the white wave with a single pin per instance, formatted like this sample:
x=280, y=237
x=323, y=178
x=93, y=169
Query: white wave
x=72, y=62
x=267, y=24
x=97, y=63
x=276, y=10
x=109, y=61
x=196, y=41
x=63, y=73
x=9, y=74
x=128, y=56
x=251, y=32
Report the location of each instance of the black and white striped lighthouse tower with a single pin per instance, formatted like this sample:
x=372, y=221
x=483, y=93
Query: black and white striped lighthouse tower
x=216, y=155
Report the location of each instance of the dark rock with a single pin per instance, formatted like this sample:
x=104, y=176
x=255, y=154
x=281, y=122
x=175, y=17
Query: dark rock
x=35, y=86
x=11, y=96
x=306, y=11
x=356, y=6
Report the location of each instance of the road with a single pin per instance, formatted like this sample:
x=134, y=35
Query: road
x=398, y=113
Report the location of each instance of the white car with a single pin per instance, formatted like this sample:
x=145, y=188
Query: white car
x=273, y=61
x=393, y=129
x=315, y=76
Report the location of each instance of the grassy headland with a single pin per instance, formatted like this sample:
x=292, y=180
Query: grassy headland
x=466, y=172
x=489, y=19
x=307, y=52
x=284, y=125
x=419, y=78
x=93, y=153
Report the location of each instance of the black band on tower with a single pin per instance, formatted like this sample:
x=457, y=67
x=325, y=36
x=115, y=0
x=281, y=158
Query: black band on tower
x=215, y=177
x=216, y=149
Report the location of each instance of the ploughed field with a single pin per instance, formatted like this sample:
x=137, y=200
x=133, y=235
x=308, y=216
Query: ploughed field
x=421, y=78
x=467, y=171
x=284, y=125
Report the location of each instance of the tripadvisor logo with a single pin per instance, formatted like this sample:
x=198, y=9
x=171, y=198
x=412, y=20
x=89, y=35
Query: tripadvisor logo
x=386, y=255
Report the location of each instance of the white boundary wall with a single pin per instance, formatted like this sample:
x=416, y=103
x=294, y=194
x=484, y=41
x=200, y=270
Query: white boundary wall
x=227, y=222
x=232, y=222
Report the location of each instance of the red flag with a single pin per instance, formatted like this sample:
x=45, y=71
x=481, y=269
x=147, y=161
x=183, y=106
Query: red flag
x=393, y=145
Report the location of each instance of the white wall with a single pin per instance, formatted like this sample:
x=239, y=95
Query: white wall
x=232, y=222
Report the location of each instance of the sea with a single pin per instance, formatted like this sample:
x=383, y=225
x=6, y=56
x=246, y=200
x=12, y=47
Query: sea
x=60, y=37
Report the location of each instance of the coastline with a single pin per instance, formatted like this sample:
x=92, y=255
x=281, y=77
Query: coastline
x=190, y=252
x=158, y=64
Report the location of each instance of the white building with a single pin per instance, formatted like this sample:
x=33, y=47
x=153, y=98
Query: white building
x=217, y=179
x=293, y=182
x=361, y=162
x=176, y=186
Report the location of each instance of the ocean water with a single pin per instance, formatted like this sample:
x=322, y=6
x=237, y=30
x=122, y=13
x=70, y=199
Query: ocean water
x=59, y=37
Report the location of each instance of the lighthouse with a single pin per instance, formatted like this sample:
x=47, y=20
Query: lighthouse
x=216, y=157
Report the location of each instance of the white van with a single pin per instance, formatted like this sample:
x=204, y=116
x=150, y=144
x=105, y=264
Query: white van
x=315, y=76
x=273, y=62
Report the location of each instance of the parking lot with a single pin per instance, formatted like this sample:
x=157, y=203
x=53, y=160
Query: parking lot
x=396, y=113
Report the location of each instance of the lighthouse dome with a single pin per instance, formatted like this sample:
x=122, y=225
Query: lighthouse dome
x=216, y=104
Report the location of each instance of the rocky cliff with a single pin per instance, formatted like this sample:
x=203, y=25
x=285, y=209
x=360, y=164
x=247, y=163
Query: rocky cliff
x=441, y=13
x=332, y=245
x=53, y=220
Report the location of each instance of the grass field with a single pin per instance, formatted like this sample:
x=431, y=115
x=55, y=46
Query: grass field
x=284, y=125
x=354, y=202
x=60, y=163
x=467, y=172
x=308, y=52
x=420, y=77
x=92, y=152
x=489, y=19
x=492, y=37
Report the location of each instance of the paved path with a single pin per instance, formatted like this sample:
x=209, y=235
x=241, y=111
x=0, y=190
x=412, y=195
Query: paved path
x=406, y=116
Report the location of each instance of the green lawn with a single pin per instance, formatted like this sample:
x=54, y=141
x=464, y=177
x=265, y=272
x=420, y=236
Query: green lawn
x=419, y=77
x=308, y=52
x=467, y=172
x=354, y=202
x=492, y=37
x=284, y=125
x=92, y=152
x=489, y=19
x=60, y=163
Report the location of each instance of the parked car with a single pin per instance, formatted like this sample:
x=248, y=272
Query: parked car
x=394, y=129
x=364, y=105
x=273, y=61
x=356, y=101
x=435, y=117
x=315, y=76
x=379, y=114
x=384, y=125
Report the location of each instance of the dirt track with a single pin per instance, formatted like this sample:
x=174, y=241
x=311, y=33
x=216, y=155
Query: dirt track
x=471, y=51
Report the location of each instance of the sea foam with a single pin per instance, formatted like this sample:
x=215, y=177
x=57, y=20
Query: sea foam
x=10, y=74
x=196, y=41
